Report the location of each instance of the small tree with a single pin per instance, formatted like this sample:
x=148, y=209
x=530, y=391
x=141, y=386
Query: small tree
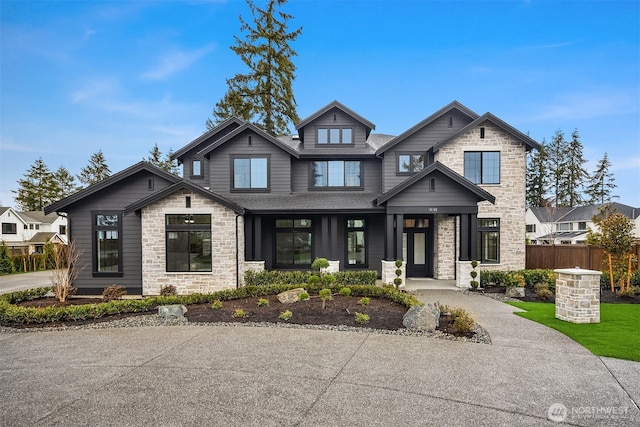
x=616, y=239
x=66, y=268
x=6, y=265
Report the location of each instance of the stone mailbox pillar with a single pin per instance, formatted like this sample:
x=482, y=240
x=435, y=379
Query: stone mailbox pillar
x=578, y=295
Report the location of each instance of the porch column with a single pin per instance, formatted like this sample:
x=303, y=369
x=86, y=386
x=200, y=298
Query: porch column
x=464, y=238
x=325, y=237
x=473, y=238
x=399, y=230
x=248, y=239
x=334, y=237
x=257, y=238
x=389, y=238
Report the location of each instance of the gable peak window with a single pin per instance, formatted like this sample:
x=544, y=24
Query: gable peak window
x=450, y=121
x=334, y=135
x=196, y=169
x=482, y=133
x=482, y=167
x=410, y=162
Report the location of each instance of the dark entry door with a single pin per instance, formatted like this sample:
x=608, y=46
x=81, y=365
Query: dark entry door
x=418, y=248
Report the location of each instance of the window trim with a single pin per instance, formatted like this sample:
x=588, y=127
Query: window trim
x=340, y=143
x=94, y=243
x=482, y=161
x=292, y=230
x=235, y=157
x=486, y=229
x=410, y=154
x=193, y=163
x=313, y=187
x=188, y=228
x=365, y=230
x=10, y=230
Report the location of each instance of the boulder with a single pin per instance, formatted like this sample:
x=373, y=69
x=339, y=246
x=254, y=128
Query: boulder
x=172, y=311
x=422, y=318
x=291, y=296
x=515, y=292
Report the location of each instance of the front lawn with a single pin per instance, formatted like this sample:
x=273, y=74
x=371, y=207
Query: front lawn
x=617, y=335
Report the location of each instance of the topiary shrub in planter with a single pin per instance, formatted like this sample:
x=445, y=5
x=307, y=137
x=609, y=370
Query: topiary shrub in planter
x=474, y=274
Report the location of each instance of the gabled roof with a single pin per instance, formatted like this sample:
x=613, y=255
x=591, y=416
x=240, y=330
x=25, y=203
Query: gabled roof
x=346, y=110
x=39, y=216
x=182, y=185
x=530, y=143
x=587, y=212
x=437, y=166
x=550, y=213
x=248, y=126
x=17, y=214
x=208, y=134
x=454, y=105
x=44, y=237
x=115, y=178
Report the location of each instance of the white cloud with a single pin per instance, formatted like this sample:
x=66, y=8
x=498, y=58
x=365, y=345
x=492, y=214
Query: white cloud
x=175, y=61
x=94, y=89
x=588, y=105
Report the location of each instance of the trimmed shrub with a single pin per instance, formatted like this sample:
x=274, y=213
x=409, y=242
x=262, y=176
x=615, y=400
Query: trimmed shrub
x=285, y=315
x=263, y=302
x=299, y=278
x=167, y=290
x=362, y=318
x=345, y=292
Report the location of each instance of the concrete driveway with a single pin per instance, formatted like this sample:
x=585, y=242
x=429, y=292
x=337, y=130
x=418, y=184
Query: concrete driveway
x=20, y=282
x=238, y=375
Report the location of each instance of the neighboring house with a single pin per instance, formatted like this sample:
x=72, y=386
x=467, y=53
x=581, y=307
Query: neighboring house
x=449, y=190
x=27, y=232
x=570, y=226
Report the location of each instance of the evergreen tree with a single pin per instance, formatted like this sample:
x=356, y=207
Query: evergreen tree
x=6, y=264
x=95, y=171
x=37, y=189
x=65, y=183
x=600, y=187
x=165, y=163
x=264, y=95
x=576, y=174
x=557, y=154
x=537, y=176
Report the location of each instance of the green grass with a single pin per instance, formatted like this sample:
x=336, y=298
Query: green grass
x=617, y=335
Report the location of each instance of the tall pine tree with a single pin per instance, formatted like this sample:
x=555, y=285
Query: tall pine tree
x=37, y=189
x=557, y=153
x=163, y=162
x=264, y=95
x=95, y=171
x=576, y=174
x=601, y=184
x=537, y=176
x=65, y=183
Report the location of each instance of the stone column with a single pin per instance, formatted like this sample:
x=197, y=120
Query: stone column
x=578, y=295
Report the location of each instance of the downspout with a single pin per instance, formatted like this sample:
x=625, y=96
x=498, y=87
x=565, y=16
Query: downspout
x=455, y=246
x=237, y=255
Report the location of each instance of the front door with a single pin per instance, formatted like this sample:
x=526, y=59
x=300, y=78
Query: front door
x=417, y=247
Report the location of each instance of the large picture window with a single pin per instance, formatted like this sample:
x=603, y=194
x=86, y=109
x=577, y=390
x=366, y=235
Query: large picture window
x=489, y=240
x=335, y=136
x=188, y=242
x=482, y=167
x=251, y=173
x=336, y=174
x=356, y=243
x=107, y=243
x=293, y=242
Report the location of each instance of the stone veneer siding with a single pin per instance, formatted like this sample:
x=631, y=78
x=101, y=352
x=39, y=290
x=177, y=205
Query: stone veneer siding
x=444, y=257
x=578, y=295
x=224, y=274
x=510, y=193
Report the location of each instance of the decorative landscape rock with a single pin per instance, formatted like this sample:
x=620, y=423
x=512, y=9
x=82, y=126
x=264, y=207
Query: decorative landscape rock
x=172, y=311
x=514, y=292
x=422, y=318
x=291, y=296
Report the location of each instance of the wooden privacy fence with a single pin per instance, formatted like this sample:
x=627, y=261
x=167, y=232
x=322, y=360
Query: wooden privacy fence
x=568, y=256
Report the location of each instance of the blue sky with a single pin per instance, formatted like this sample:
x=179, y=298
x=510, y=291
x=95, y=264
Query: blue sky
x=120, y=76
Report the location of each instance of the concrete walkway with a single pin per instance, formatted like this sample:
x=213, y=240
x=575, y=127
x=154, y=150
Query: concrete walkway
x=237, y=375
x=22, y=281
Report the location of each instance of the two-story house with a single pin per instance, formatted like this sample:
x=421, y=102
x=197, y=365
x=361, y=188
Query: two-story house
x=449, y=190
x=27, y=232
x=570, y=226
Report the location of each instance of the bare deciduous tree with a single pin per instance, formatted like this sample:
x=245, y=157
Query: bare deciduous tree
x=66, y=268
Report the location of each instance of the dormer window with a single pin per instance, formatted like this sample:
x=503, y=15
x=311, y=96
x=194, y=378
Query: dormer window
x=335, y=135
x=196, y=169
